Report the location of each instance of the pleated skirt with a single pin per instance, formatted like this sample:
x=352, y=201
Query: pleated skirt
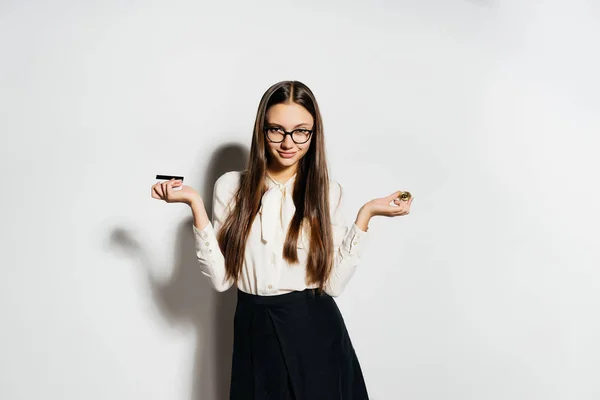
x=293, y=346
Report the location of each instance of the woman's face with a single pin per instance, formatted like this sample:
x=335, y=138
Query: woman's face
x=289, y=117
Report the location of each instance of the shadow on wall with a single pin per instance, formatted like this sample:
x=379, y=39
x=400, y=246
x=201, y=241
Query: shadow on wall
x=188, y=296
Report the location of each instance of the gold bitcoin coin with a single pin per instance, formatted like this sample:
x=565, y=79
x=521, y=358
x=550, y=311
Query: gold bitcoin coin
x=405, y=196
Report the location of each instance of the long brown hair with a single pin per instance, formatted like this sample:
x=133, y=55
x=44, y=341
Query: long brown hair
x=310, y=194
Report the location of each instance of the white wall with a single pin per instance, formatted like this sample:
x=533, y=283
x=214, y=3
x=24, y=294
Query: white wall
x=488, y=111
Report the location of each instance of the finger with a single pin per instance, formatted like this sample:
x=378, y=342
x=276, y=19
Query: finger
x=159, y=191
x=394, y=195
x=169, y=190
x=393, y=211
x=403, y=209
x=155, y=193
x=164, y=186
x=170, y=185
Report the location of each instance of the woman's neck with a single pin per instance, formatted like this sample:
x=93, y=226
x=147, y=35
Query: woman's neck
x=282, y=174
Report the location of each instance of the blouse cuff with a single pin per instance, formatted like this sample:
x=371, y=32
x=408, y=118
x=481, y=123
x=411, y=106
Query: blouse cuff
x=205, y=240
x=354, y=239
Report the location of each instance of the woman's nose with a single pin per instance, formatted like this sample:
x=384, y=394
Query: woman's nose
x=288, y=143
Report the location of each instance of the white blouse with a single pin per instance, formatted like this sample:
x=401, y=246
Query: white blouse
x=264, y=271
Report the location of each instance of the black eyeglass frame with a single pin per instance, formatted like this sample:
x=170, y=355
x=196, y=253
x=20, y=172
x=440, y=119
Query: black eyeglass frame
x=285, y=133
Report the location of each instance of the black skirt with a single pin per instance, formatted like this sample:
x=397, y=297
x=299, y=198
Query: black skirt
x=293, y=346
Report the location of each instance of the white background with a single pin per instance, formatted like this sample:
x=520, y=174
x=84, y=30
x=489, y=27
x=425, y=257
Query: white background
x=487, y=111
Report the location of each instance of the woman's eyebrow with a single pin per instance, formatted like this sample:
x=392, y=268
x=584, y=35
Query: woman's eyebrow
x=276, y=124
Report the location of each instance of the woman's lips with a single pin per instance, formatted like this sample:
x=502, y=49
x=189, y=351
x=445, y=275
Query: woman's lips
x=287, y=155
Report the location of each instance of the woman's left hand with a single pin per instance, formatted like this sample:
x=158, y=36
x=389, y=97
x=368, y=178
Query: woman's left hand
x=382, y=206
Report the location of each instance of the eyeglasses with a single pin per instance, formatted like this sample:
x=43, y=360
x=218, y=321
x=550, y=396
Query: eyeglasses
x=277, y=135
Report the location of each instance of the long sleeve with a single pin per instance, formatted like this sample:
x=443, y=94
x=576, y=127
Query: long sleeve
x=347, y=241
x=208, y=253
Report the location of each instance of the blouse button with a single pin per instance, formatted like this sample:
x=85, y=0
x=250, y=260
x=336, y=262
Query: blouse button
x=270, y=286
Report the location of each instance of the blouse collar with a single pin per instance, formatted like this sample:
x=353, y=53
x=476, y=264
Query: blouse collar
x=277, y=208
x=289, y=184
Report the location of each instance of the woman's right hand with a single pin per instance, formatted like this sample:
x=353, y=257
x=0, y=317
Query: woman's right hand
x=164, y=191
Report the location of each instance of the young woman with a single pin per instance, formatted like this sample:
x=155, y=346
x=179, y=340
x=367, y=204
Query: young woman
x=279, y=236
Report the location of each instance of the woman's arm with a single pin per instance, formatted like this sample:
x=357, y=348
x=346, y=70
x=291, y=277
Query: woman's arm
x=347, y=242
x=363, y=218
x=208, y=253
